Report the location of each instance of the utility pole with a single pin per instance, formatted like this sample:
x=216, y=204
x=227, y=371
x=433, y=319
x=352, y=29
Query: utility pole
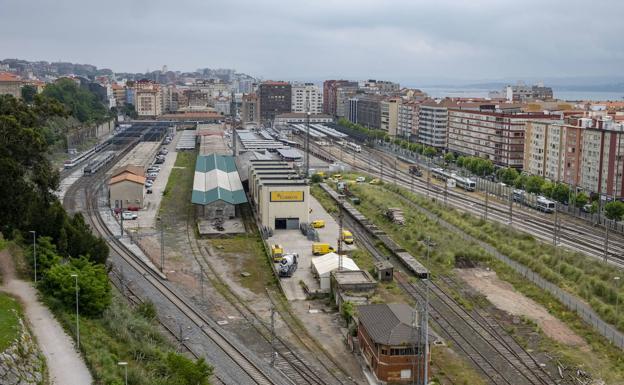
x=381, y=168
x=555, y=229
x=426, y=331
x=307, y=144
x=510, y=206
x=121, y=216
x=162, y=244
x=413, y=338
x=428, y=176
x=340, y=224
x=485, y=183
x=606, y=246
x=233, y=123
x=411, y=182
x=395, y=171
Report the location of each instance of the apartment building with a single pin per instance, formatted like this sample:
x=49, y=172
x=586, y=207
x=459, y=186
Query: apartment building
x=432, y=122
x=274, y=98
x=330, y=93
x=390, y=115
x=10, y=84
x=407, y=125
x=373, y=86
x=148, y=98
x=306, y=96
x=580, y=151
x=250, y=111
x=343, y=94
x=491, y=132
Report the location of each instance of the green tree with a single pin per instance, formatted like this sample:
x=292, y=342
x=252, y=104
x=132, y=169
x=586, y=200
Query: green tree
x=533, y=184
x=449, y=157
x=183, y=371
x=316, y=178
x=47, y=257
x=93, y=285
x=520, y=181
x=547, y=189
x=561, y=192
x=82, y=103
x=614, y=210
x=28, y=93
x=430, y=152
x=581, y=199
x=507, y=175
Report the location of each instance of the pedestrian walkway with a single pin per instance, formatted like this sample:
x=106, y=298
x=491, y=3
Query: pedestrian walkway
x=65, y=365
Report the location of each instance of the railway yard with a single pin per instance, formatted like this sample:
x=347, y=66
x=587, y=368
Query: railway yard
x=222, y=298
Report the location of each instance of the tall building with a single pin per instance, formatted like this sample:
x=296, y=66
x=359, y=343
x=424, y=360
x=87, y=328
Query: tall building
x=373, y=86
x=432, y=122
x=390, y=115
x=343, y=94
x=580, y=151
x=275, y=98
x=491, y=132
x=407, y=125
x=366, y=110
x=250, y=111
x=521, y=93
x=330, y=93
x=306, y=95
x=148, y=98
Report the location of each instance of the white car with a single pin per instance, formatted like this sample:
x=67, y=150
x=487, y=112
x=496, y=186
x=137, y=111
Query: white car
x=129, y=215
x=360, y=179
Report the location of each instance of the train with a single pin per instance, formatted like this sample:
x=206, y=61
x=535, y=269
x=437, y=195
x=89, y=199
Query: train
x=399, y=252
x=541, y=203
x=71, y=163
x=96, y=164
x=460, y=181
x=354, y=147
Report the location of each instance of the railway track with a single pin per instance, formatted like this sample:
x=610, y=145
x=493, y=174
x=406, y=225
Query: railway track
x=287, y=360
x=493, y=351
x=575, y=237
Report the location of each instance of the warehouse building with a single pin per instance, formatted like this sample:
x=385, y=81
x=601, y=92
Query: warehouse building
x=217, y=187
x=125, y=188
x=280, y=199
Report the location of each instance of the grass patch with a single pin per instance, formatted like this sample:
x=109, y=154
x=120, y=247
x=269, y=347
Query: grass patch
x=10, y=311
x=121, y=334
x=176, y=200
x=454, y=368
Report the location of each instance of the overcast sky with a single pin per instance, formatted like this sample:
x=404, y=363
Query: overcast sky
x=401, y=40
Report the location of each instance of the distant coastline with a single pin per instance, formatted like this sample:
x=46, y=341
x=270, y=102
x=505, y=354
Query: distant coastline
x=571, y=95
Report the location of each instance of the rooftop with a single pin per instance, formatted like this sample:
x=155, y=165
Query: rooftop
x=216, y=178
x=389, y=324
x=127, y=176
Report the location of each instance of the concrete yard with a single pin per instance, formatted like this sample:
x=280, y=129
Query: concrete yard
x=295, y=241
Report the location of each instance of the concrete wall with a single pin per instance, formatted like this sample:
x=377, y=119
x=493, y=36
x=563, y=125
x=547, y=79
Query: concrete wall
x=126, y=192
x=268, y=210
x=83, y=134
x=218, y=209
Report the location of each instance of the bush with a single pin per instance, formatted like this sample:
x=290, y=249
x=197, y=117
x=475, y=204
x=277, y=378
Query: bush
x=94, y=291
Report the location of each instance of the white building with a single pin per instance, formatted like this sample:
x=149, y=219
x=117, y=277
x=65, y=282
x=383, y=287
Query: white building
x=304, y=95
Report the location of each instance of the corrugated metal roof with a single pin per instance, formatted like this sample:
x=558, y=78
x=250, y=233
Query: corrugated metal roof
x=216, y=178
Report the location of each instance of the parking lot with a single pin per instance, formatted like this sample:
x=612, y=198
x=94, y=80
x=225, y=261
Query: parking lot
x=151, y=202
x=294, y=241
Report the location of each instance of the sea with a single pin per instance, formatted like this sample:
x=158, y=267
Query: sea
x=440, y=92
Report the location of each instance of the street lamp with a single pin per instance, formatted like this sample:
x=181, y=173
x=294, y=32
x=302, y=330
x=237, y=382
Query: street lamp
x=34, y=233
x=75, y=276
x=617, y=295
x=125, y=365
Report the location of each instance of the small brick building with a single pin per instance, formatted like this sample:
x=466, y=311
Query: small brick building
x=389, y=344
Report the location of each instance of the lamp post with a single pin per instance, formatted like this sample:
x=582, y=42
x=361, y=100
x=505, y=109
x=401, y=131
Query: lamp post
x=34, y=233
x=617, y=295
x=125, y=365
x=75, y=276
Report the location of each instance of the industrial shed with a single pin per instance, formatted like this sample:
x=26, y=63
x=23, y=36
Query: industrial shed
x=125, y=191
x=323, y=266
x=217, y=187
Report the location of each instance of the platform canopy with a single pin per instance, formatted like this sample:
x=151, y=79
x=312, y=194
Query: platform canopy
x=216, y=178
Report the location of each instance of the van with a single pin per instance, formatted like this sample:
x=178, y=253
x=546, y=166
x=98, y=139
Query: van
x=322, y=248
x=277, y=252
x=337, y=176
x=375, y=182
x=347, y=237
x=318, y=224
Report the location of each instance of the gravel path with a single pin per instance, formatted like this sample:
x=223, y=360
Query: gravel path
x=65, y=366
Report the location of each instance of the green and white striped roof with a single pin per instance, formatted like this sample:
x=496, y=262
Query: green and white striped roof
x=216, y=178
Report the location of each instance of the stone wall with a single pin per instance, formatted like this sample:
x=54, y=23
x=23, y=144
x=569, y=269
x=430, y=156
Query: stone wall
x=22, y=363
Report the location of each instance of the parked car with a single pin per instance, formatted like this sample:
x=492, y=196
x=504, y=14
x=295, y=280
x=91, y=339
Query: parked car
x=152, y=174
x=129, y=215
x=149, y=190
x=153, y=169
x=159, y=160
x=149, y=183
x=360, y=179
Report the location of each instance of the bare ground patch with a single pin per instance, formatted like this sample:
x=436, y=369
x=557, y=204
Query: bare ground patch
x=502, y=295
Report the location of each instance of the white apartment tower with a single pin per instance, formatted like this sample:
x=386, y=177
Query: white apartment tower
x=304, y=95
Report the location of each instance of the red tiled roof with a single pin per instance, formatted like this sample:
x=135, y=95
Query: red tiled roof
x=8, y=77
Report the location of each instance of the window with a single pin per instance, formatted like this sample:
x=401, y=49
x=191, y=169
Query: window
x=406, y=374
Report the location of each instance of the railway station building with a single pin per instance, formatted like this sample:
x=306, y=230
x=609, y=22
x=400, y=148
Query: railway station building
x=126, y=188
x=390, y=345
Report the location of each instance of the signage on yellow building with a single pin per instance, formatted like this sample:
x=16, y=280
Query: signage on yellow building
x=286, y=196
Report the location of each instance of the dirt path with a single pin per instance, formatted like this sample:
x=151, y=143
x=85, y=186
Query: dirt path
x=65, y=365
x=502, y=295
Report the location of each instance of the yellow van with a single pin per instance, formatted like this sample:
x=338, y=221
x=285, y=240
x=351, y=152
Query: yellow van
x=321, y=248
x=277, y=252
x=347, y=237
x=318, y=223
x=337, y=176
